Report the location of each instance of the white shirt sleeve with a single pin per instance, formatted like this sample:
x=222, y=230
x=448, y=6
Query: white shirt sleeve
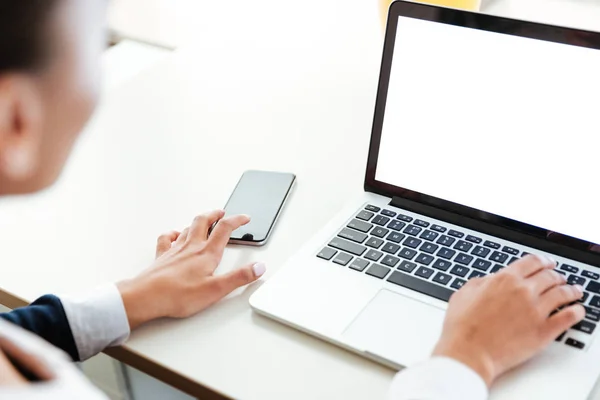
x=438, y=378
x=97, y=319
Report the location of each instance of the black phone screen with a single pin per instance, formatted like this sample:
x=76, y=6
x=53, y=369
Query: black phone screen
x=261, y=195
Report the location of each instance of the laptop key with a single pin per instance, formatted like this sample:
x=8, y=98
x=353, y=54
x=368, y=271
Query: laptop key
x=463, y=246
x=412, y=230
x=388, y=213
x=380, y=220
x=396, y=237
x=473, y=239
x=584, y=297
x=593, y=287
x=482, y=265
x=342, y=259
x=584, y=326
x=424, y=259
x=390, y=248
x=454, y=233
x=592, y=314
x=458, y=283
x=420, y=222
x=353, y=235
x=445, y=240
x=438, y=228
x=496, y=268
x=476, y=274
x=420, y=285
x=591, y=275
x=365, y=215
x=407, y=266
x=463, y=259
x=396, y=225
x=374, y=242
x=446, y=253
x=480, y=251
x=412, y=242
x=575, y=343
x=510, y=250
x=442, y=265
x=560, y=337
x=442, y=278
x=575, y=280
x=561, y=272
x=569, y=268
x=379, y=232
x=429, y=248
x=373, y=255
x=429, y=235
x=372, y=208
x=348, y=247
x=404, y=218
x=378, y=271
x=459, y=270
x=390, y=261
x=595, y=301
x=327, y=253
x=361, y=226
x=407, y=253
x=424, y=272
x=491, y=245
x=359, y=264
x=512, y=260
x=499, y=257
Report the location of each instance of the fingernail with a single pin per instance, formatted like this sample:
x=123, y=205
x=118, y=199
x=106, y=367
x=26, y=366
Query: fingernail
x=579, y=288
x=259, y=269
x=247, y=216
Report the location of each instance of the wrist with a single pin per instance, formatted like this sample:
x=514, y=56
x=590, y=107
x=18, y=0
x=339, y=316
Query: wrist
x=136, y=294
x=470, y=356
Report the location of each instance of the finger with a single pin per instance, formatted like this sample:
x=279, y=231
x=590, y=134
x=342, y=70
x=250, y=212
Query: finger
x=163, y=244
x=560, y=295
x=182, y=237
x=202, y=223
x=222, y=232
x=563, y=320
x=530, y=264
x=227, y=283
x=545, y=280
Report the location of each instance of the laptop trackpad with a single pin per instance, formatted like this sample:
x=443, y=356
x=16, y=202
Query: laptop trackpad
x=397, y=328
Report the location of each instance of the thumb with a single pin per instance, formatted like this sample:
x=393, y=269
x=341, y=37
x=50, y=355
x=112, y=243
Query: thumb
x=563, y=320
x=227, y=283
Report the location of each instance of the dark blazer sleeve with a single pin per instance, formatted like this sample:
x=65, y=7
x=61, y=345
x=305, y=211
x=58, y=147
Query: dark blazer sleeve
x=46, y=318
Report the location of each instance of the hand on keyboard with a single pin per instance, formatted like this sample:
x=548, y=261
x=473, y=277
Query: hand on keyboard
x=495, y=323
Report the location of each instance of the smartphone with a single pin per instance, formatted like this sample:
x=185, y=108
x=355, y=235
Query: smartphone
x=261, y=195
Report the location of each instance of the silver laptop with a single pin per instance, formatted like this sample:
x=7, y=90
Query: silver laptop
x=484, y=148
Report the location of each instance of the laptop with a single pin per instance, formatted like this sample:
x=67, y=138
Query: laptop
x=484, y=148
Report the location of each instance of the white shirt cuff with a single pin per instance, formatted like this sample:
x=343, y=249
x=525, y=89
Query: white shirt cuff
x=438, y=378
x=97, y=319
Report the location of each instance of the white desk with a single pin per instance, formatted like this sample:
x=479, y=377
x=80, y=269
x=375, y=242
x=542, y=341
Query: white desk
x=257, y=90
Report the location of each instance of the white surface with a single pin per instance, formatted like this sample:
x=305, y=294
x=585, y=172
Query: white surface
x=258, y=89
x=127, y=59
x=539, y=108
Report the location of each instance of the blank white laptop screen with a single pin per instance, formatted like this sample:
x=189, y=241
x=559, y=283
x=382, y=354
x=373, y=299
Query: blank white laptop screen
x=499, y=123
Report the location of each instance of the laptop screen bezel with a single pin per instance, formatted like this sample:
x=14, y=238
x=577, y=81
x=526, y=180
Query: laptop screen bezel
x=579, y=249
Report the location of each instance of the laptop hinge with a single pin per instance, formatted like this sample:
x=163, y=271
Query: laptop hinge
x=495, y=230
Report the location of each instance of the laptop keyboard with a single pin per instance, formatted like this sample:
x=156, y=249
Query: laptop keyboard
x=432, y=259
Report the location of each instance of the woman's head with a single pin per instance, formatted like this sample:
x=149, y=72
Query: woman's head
x=49, y=73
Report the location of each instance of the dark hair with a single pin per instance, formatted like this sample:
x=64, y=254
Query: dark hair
x=23, y=33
